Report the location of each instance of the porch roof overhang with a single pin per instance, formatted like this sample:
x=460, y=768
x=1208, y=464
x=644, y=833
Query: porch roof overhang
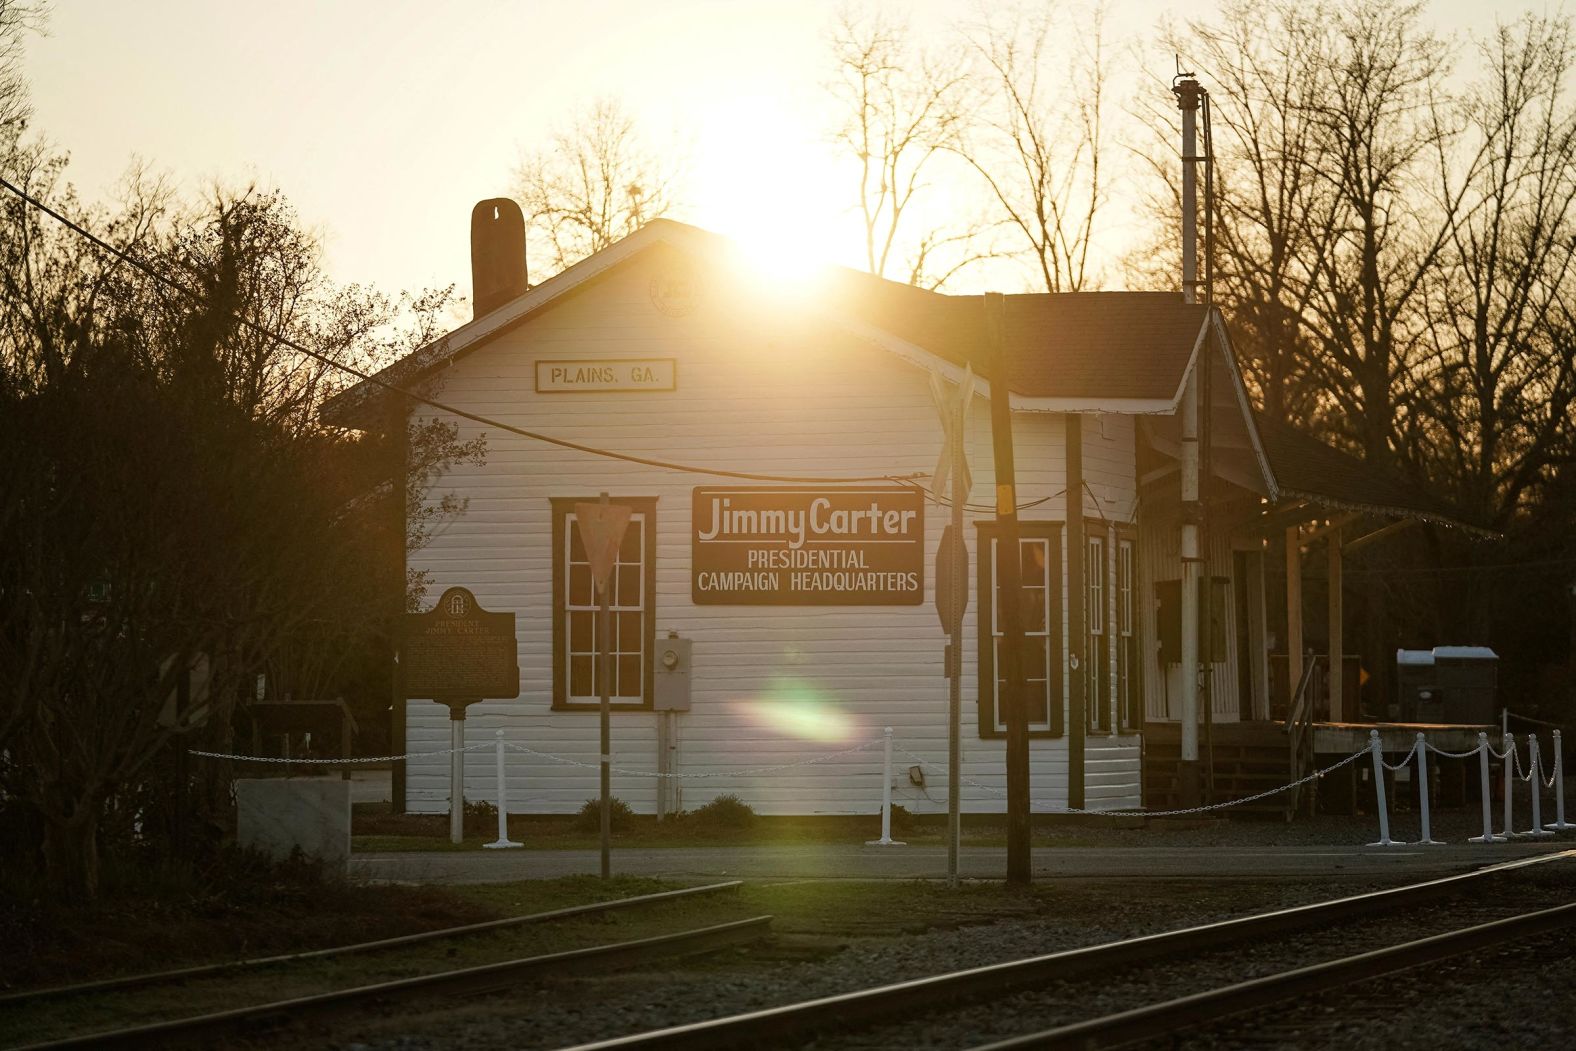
x=1308, y=470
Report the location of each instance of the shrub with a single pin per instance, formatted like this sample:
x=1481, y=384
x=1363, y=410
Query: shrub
x=589, y=816
x=480, y=816
x=727, y=812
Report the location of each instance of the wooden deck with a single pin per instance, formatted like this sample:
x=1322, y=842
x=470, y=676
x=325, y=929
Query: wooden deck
x=1346, y=738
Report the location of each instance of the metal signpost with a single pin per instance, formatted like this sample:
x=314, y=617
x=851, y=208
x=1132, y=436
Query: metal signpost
x=457, y=654
x=952, y=592
x=602, y=526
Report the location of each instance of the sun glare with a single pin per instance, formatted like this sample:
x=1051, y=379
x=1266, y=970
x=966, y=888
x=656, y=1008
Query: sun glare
x=765, y=180
x=794, y=709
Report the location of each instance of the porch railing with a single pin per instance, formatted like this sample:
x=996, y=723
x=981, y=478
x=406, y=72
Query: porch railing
x=1299, y=729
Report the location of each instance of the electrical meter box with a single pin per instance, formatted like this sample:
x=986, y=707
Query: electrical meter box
x=671, y=675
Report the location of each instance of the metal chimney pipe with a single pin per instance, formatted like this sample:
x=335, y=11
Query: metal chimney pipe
x=1188, y=92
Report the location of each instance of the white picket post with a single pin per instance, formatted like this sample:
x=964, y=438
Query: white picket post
x=1559, y=786
x=1510, y=783
x=1377, y=750
x=1422, y=788
x=503, y=841
x=1536, y=764
x=886, y=839
x=1488, y=803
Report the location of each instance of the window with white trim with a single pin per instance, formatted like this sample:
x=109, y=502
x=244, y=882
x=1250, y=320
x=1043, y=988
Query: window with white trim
x=1097, y=641
x=631, y=587
x=1129, y=696
x=1040, y=578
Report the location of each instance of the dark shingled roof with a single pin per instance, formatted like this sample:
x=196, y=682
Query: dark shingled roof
x=1306, y=467
x=1085, y=345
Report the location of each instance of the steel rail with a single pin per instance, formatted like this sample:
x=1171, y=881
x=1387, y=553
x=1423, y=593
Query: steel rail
x=131, y=981
x=1153, y=1021
x=776, y=1025
x=465, y=980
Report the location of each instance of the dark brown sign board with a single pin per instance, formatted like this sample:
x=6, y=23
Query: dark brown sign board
x=808, y=546
x=458, y=651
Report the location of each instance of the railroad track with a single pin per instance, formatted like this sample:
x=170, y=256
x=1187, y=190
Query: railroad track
x=458, y=981
x=132, y=981
x=853, y=1011
x=1164, y=1018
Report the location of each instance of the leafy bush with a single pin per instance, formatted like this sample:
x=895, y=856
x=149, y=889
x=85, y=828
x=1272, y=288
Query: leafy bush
x=726, y=812
x=480, y=816
x=589, y=817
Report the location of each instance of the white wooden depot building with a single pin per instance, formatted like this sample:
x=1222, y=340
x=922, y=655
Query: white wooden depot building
x=806, y=600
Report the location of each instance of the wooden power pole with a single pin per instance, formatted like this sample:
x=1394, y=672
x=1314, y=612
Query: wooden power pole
x=1009, y=586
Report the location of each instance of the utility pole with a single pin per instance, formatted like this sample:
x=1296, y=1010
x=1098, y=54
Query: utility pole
x=1009, y=584
x=1188, y=93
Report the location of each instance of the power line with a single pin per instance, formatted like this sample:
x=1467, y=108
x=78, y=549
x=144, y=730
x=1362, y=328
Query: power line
x=646, y=461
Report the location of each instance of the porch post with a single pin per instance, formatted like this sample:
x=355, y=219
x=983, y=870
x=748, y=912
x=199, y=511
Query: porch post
x=1337, y=708
x=1257, y=656
x=1077, y=599
x=1293, y=610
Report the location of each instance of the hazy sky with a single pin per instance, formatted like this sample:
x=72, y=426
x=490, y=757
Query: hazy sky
x=384, y=122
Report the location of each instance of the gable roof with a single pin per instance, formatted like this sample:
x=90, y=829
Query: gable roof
x=1068, y=352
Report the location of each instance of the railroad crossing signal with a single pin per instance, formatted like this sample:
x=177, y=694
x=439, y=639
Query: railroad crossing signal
x=949, y=604
x=602, y=531
x=953, y=409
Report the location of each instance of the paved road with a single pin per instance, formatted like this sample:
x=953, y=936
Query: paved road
x=854, y=862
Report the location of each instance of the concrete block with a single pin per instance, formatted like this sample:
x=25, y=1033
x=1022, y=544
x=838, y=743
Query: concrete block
x=278, y=815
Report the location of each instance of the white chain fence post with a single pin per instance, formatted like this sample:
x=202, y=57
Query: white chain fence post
x=503, y=841
x=1560, y=824
x=886, y=839
x=1510, y=784
x=1487, y=793
x=1376, y=749
x=1536, y=777
x=1421, y=750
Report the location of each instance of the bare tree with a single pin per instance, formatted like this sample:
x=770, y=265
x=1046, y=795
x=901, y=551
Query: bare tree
x=595, y=182
x=904, y=112
x=170, y=501
x=16, y=21
x=1040, y=146
x=1272, y=208
x=1501, y=314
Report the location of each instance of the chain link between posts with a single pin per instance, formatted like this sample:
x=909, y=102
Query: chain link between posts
x=566, y=761
x=334, y=762
x=1407, y=758
x=1454, y=755
x=1522, y=772
x=1048, y=808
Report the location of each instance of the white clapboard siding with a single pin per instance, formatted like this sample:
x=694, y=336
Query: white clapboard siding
x=761, y=391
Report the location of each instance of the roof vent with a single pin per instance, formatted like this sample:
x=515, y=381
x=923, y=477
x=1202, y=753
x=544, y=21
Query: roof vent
x=497, y=254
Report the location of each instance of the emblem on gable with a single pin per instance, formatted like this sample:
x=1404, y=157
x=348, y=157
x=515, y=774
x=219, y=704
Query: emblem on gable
x=675, y=293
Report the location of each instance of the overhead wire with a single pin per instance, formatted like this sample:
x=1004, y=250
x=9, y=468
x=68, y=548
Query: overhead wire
x=391, y=388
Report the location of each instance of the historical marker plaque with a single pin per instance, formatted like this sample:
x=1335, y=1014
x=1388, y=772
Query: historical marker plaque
x=459, y=651
x=805, y=546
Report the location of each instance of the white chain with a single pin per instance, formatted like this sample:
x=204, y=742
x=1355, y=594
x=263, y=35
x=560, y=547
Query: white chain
x=1407, y=758
x=335, y=762
x=566, y=761
x=1456, y=755
x=1045, y=807
x=1515, y=764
